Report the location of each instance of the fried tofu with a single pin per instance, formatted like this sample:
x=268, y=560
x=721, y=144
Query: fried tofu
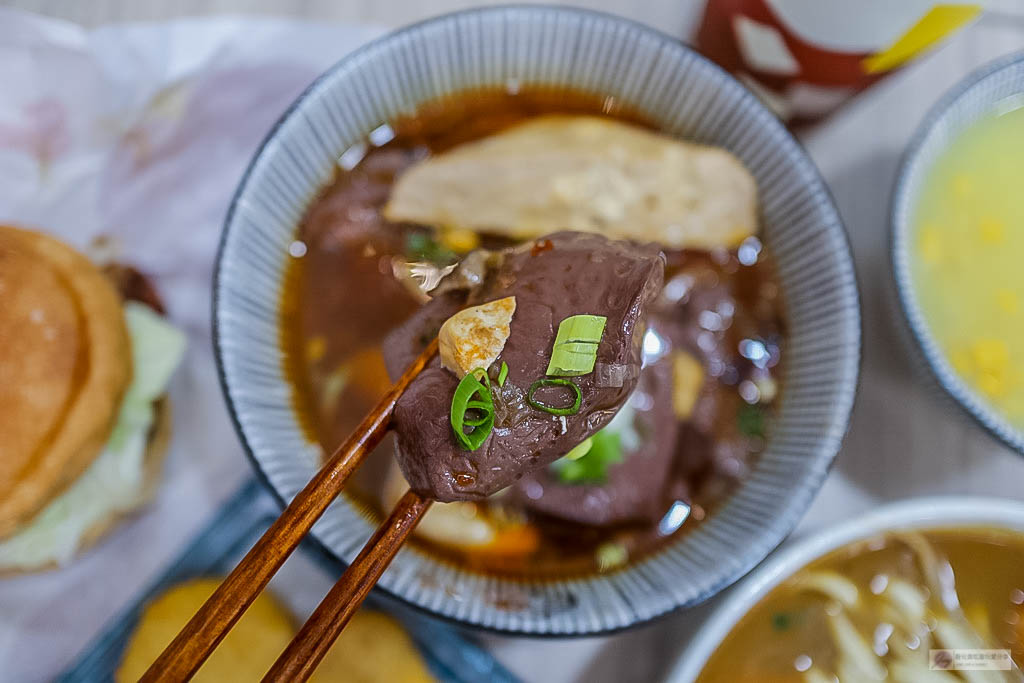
x=474, y=337
x=587, y=174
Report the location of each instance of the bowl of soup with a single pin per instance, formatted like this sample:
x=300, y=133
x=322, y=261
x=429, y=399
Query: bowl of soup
x=414, y=158
x=883, y=597
x=957, y=239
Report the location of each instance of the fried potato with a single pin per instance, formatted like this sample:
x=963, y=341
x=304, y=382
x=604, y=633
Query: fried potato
x=245, y=654
x=373, y=648
x=583, y=173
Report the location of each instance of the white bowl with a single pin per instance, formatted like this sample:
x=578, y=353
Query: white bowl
x=687, y=96
x=978, y=95
x=938, y=512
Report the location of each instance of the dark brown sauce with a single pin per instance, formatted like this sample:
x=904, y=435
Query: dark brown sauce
x=341, y=298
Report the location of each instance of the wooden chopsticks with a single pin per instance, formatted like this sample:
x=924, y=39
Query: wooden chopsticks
x=324, y=626
x=190, y=648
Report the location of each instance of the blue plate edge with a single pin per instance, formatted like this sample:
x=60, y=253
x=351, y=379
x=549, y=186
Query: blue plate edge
x=240, y=521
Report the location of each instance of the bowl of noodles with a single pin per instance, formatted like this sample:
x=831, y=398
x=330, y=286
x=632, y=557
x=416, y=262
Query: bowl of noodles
x=907, y=592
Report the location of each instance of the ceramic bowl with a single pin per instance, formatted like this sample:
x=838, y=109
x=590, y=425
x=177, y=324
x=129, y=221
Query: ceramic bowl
x=689, y=97
x=998, y=85
x=938, y=512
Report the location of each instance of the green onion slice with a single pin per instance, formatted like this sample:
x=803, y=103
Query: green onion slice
x=592, y=465
x=424, y=247
x=485, y=412
x=580, y=450
x=575, y=349
x=475, y=422
x=555, y=410
x=472, y=394
x=502, y=374
x=481, y=375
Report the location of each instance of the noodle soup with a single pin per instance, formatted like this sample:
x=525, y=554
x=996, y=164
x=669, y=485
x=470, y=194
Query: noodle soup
x=873, y=609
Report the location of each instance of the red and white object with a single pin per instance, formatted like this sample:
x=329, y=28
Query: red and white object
x=806, y=57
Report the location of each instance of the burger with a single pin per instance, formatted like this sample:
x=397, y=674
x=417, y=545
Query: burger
x=85, y=359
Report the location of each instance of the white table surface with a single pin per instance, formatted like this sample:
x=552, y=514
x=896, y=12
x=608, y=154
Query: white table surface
x=902, y=442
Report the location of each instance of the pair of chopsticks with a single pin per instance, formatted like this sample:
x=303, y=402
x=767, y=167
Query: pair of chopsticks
x=197, y=640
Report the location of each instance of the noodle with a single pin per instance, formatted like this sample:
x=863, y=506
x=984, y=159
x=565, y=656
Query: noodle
x=917, y=614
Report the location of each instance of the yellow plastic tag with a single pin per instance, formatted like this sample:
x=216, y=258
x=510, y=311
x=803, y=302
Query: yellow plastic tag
x=939, y=22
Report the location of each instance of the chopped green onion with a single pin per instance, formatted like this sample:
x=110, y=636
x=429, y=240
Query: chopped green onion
x=575, y=349
x=555, y=410
x=781, y=621
x=581, y=449
x=583, y=328
x=472, y=394
x=578, y=347
x=481, y=376
x=610, y=556
x=502, y=374
x=606, y=449
x=423, y=246
x=750, y=420
x=484, y=409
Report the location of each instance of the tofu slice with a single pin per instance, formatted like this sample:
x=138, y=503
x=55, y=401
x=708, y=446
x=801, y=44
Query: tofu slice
x=475, y=337
x=583, y=173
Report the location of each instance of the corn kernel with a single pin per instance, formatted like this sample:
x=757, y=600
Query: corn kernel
x=459, y=240
x=930, y=245
x=1008, y=301
x=688, y=376
x=767, y=387
x=961, y=361
x=992, y=230
x=993, y=384
x=316, y=347
x=963, y=186
x=991, y=355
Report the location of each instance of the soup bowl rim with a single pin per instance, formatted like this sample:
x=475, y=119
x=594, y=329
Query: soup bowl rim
x=920, y=514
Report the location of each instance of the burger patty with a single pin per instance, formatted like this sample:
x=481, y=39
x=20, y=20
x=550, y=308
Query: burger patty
x=132, y=285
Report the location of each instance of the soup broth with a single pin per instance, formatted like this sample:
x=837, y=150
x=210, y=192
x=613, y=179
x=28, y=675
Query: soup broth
x=898, y=594
x=719, y=319
x=967, y=261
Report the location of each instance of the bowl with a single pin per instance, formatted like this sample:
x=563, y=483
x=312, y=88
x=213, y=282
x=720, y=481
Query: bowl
x=976, y=96
x=935, y=512
x=689, y=97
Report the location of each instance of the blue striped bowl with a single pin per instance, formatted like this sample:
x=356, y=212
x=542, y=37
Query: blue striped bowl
x=689, y=97
x=997, y=85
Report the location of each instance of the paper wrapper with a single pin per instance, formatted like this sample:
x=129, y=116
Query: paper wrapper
x=141, y=133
